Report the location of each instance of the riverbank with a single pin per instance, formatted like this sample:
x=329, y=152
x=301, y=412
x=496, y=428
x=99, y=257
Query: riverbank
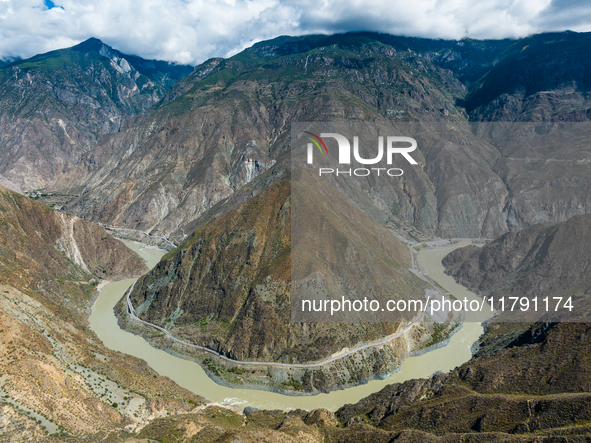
x=194, y=378
x=344, y=370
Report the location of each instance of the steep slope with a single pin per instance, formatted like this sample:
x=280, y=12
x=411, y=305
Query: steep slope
x=41, y=248
x=467, y=59
x=228, y=288
x=538, y=384
x=56, y=106
x=55, y=376
x=538, y=261
x=233, y=124
x=228, y=122
x=541, y=84
x=550, y=69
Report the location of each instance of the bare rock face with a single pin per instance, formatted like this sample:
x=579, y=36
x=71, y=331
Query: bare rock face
x=173, y=165
x=227, y=124
x=90, y=247
x=56, y=106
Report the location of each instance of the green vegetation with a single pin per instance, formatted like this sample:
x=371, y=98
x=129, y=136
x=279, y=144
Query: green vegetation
x=213, y=367
x=441, y=332
x=292, y=384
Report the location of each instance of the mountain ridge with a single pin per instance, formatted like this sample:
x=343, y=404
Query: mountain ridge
x=233, y=114
x=56, y=106
x=52, y=364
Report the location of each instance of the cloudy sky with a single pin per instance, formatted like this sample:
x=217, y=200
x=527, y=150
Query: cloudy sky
x=191, y=31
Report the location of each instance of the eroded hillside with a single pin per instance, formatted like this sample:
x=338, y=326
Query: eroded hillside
x=55, y=375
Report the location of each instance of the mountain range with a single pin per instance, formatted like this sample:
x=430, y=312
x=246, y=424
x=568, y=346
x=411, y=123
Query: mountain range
x=201, y=157
x=227, y=122
x=57, y=106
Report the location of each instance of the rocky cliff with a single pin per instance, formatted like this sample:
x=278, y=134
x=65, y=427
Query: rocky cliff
x=228, y=122
x=40, y=242
x=56, y=106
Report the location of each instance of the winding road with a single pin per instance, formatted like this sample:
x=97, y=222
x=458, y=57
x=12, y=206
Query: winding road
x=379, y=342
x=331, y=359
x=112, y=228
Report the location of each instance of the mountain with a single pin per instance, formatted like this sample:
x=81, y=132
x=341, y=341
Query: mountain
x=177, y=162
x=228, y=122
x=228, y=288
x=8, y=60
x=43, y=249
x=539, y=261
x=55, y=375
x=56, y=106
x=502, y=149
x=533, y=76
x=203, y=157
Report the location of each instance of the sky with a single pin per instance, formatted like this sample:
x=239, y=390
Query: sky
x=191, y=31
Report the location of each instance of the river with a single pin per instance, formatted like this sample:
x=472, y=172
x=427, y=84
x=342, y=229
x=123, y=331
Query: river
x=191, y=376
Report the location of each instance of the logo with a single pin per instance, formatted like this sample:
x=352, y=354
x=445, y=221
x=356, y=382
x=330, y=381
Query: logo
x=344, y=153
x=316, y=143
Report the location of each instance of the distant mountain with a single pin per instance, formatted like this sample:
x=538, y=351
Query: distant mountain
x=8, y=60
x=54, y=107
x=228, y=122
x=231, y=123
x=534, y=78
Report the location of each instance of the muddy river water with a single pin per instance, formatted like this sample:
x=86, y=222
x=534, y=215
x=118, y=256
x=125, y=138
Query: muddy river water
x=192, y=377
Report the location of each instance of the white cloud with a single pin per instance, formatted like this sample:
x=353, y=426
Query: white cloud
x=190, y=31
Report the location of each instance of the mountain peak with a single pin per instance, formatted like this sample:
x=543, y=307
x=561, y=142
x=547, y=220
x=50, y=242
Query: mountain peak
x=92, y=44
